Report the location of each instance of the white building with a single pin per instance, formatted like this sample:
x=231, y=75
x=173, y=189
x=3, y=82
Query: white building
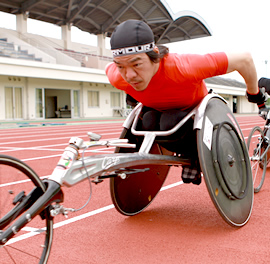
x=43, y=78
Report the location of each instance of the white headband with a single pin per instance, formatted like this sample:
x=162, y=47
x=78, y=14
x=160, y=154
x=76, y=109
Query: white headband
x=133, y=50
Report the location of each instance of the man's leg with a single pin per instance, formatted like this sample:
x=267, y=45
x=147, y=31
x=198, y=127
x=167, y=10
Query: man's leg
x=151, y=120
x=186, y=144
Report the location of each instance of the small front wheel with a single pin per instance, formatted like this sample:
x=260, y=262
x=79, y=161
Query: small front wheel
x=32, y=243
x=256, y=149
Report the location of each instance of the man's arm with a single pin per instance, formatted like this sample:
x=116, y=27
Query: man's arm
x=243, y=63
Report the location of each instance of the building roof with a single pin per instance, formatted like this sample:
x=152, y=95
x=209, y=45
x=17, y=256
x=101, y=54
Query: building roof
x=102, y=16
x=225, y=82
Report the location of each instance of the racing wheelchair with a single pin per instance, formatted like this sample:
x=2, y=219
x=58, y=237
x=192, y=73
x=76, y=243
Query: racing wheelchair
x=223, y=159
x=137, y=171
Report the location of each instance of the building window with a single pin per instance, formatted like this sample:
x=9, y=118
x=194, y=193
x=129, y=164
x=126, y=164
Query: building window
x=115, y=100
x=39, y=102
x=13, y=102
x=93, y=99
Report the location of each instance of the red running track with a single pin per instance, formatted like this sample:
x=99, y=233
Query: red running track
x=180, y=226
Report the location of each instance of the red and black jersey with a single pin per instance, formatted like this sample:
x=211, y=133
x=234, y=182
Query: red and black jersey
x=178, y=83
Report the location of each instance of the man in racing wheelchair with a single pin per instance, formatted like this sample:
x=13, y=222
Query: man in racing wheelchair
x=170, y=85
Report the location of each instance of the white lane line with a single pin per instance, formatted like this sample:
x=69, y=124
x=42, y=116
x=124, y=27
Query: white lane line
x=103, y=209
x=105, y=150
x=51, y=139
x=35, y=231
x=24, y=135
x=19, y=182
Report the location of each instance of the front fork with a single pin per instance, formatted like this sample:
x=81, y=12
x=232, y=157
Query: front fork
x=52, y=194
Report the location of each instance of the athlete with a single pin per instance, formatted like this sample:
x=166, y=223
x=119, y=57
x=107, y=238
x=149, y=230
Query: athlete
x=170, y=85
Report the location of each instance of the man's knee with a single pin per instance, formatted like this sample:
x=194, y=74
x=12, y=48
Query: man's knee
x=171, y=118
x=151, y=120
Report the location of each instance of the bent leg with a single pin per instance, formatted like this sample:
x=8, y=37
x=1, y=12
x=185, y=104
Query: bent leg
x=185, y=143
x=151, y=120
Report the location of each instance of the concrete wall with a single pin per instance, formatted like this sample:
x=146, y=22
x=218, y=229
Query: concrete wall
x=62, y=90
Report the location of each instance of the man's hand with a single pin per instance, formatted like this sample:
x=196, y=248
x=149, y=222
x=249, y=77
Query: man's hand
x=258, y=98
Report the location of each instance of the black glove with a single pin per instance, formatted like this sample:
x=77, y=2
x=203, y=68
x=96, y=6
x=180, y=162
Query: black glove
x=258, y=98
x=264, y=82
x=263, y=111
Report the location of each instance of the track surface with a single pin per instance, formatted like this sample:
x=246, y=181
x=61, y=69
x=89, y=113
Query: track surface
x=180, y=226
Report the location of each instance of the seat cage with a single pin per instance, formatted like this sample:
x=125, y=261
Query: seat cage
x=149, y=136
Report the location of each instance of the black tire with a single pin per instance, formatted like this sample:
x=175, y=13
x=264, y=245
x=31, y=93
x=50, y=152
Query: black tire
x=32, y=244
x=224, y=161
x=258, y=167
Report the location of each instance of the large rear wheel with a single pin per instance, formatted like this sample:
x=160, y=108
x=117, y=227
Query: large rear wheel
x=225, y=163
x=132, y=195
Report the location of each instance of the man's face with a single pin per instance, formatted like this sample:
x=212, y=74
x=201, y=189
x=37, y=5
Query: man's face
x=137, y=70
